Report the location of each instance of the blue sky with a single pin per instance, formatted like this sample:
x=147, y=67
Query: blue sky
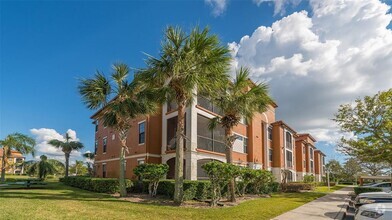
x=47, y=45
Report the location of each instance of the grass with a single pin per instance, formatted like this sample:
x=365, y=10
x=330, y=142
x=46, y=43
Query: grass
x=57, y=201
x=324, y=189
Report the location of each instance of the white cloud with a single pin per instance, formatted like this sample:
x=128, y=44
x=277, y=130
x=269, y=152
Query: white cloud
x=315, y=63
x=218, y=6
x=279, y=5
x=43, y=135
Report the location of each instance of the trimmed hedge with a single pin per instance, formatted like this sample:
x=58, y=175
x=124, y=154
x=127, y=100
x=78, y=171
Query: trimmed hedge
x=359, y=190
x=297, y=187
x=193, y=189
x=101, y=185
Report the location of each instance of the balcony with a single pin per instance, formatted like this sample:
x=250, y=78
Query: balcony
x=210, y=145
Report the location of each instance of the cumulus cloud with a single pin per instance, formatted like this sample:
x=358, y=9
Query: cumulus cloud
x=279, y=5
x=43, y=135
x=313, y=63
x=218, y=6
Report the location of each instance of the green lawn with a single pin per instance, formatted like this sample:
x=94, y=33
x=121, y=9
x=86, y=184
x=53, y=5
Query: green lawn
x=324, y=189
x=57, y=201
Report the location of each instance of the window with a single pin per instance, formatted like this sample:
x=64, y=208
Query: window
x=125, y=165
x=105, y=141
x=270, y=133
x=207, y=139
x=323, y=160
x=104, y=170
x=270, y=154
x=140, y=161
x=207, y=104
x=113, y=136
x=311, y=153
x=311, y=166
x=171, y=129
x=142, y=133
x=171, y=106
x=304, y=163
x=289, y=176
x=289, y=158
x=289, y=143
x=95, y=146
x=96, y=125
x=304, y=150
x=245, y=145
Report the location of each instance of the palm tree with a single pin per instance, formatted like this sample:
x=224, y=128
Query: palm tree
x=237, y=100
x=16, y=141
x=67, y=147
x=90, y=157
x=186, y=63
x=43, y=168
x=127, y=102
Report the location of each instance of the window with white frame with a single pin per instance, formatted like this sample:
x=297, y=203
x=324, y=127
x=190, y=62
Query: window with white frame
x=289, y=142
x=142, y=132
x=311, y=153
x=104, y=144
x=95, y=146
x=96, y=125
x=289, y=158
x=140, y=161
x=270, y=133
x=270, y=153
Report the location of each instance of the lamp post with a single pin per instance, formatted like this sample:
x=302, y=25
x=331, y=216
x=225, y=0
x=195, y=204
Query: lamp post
x=329, y=187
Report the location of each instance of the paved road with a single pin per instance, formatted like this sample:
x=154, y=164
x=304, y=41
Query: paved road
x=331, y=206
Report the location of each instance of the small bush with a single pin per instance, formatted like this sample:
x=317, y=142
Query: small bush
x=102, y=185
x=297, y=187
x=153, y=173
x=359, y=190
x=308, y=178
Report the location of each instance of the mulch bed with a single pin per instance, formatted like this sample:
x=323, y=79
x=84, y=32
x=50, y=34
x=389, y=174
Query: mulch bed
x=164, y=200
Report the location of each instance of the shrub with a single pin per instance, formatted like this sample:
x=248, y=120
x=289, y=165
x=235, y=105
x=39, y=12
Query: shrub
x=359, y=190
x=308, y=178
x=263, y=182
x=152, y=173
x=246, y=176
x=102, y=185
x=219, y=174
x=297, y=187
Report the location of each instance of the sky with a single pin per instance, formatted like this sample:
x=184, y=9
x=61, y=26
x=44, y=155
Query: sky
x=315, y=55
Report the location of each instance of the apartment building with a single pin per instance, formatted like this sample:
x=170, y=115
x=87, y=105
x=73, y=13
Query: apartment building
x=319, y=168
x=14, y=162
x=305, y=148
x=261, y=143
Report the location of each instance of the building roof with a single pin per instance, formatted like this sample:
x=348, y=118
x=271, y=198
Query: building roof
x=14, y=154
x=281, y=123
x=319, y=151
x=307, y=135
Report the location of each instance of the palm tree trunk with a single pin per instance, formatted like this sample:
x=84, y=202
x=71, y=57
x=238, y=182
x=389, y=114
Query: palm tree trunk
x=66, y=164
x=3, y=165
x=179, y=168
x=229, y=159
x=123, y=139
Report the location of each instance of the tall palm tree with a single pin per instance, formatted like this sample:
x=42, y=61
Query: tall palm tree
x=44, y=167
x=237, y=100
x=67, y=147
x=186, y=62
x=127, y=102
x=16, y=141
x=90, y=157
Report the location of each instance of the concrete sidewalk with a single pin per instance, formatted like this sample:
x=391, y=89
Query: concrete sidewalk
x=331, y=206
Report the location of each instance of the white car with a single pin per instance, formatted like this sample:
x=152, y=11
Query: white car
x=372, y=197
x=379, y=211
x=385, y=187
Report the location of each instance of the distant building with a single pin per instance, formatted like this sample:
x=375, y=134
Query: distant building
x=14, y=162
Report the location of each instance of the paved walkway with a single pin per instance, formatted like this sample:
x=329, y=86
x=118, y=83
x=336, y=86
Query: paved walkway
x=331, y=206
